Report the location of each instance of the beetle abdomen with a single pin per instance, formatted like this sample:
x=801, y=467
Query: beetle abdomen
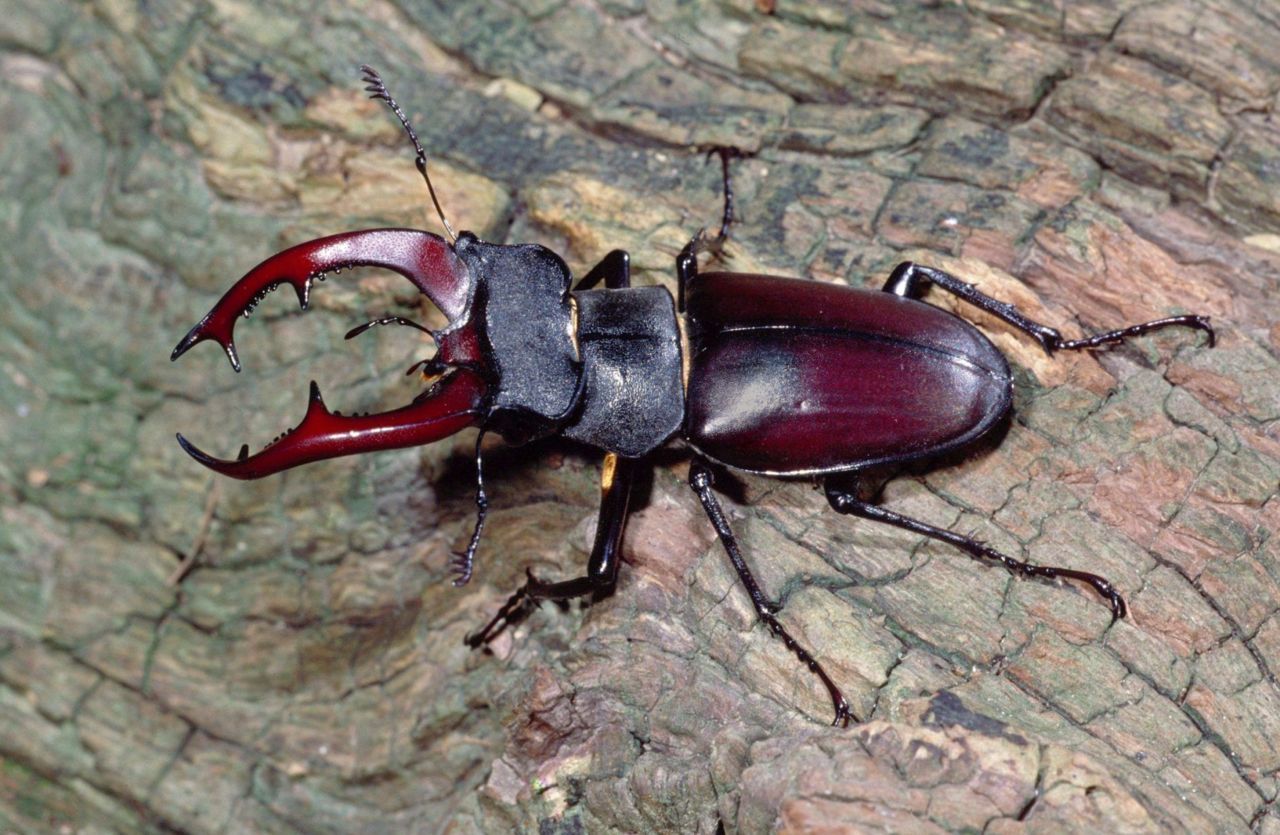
x=792, y=377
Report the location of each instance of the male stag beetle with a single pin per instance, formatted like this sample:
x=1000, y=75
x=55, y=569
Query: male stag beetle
x=776, y=376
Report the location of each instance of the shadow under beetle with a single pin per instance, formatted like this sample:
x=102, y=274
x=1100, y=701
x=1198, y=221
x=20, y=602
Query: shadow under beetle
x=777, y=376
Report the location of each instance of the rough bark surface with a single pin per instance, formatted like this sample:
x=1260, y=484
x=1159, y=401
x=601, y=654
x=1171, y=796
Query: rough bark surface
x=1096, y=162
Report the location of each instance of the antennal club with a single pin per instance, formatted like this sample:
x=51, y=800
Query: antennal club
x=378, y=90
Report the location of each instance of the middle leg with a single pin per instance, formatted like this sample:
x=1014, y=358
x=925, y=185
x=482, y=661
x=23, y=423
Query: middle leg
x=701, y=481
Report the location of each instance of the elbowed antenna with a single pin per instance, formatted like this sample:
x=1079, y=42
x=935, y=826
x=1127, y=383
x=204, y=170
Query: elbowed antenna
x=378, y=90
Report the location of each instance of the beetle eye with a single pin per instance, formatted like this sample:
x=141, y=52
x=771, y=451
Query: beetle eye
x=431, y=368
x=434, y=379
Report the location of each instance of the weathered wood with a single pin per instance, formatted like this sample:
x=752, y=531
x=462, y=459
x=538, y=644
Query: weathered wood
x=1095, y=162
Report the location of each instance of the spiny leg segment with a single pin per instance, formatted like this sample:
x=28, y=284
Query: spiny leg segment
x=617, y=476
x=700, y=479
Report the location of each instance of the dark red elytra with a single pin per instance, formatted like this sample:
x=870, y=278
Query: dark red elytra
x=800, y=378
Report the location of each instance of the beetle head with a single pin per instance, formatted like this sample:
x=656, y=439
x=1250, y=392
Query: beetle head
x=455, y=400
x=507, y=357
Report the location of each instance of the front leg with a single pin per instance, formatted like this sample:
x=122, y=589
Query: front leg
x=614, y=269
x=616, y=478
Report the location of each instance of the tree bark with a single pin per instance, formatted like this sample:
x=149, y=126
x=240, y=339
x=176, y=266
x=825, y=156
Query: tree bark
x=179, y=652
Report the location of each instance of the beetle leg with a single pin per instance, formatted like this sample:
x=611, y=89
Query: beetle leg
x=847, y=502
x=614, y=268
x=911, y=280
x=687, y=267
x=725, y=153
x=687, y=260
x=616, y=478
x=701, y=481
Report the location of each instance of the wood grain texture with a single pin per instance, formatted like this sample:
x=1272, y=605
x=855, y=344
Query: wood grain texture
x=1096, y=162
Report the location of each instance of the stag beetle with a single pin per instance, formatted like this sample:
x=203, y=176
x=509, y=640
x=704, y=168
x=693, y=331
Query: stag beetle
x=769, y=375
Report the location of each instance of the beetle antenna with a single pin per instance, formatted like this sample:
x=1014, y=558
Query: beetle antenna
x=463, y=562
x=387, y=320
x=378, y=90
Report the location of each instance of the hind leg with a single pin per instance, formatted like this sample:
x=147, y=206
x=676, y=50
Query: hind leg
x=911, y=280
x=844, y=499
